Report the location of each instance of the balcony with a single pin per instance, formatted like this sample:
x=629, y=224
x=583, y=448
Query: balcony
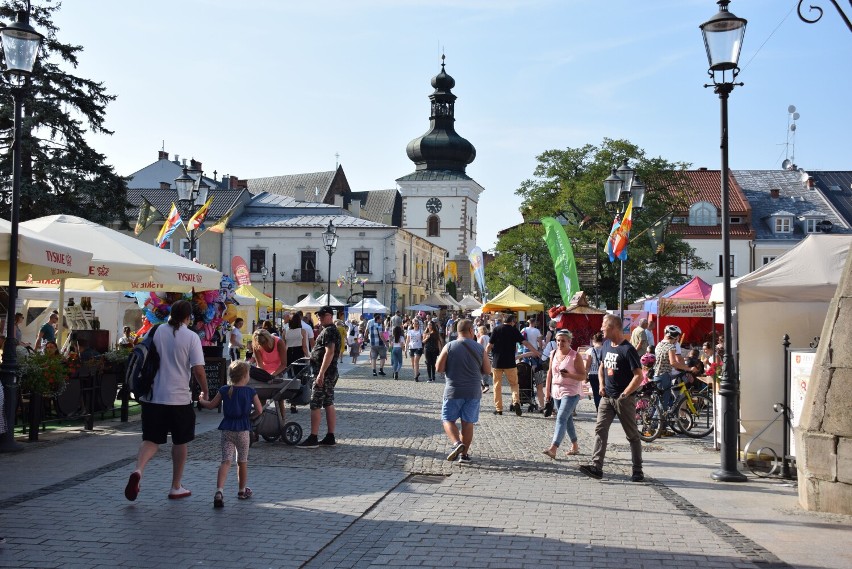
x=307, y=276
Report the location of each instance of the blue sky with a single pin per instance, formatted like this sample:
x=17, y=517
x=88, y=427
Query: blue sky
x=279, y=87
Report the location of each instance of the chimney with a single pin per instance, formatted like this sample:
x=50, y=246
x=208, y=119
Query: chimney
x=184, y=161
x=195, y=165
x=338, y=200
x=355, y=208
x=162, y=155
x=242, y=184
x=810, y=183
x=165, y=186
x=232, y=182
x=299, y=194
x=775, y=193
x=177, y=159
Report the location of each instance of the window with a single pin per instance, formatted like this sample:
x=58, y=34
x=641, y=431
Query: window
x=732, y=264
x=768, y=259
x=433, y=226
x=812, y=225
x=184, y=248
x=683, y=266
x=308, y=267
x=404, y=264
x=471, y=228
x=257, y=260
x=736, y=219
x=702, y=214
x=167, y=245
x=782, y=225
x=362, y=262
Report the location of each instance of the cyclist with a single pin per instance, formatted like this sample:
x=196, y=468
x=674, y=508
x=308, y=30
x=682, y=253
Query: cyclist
x=668, y=361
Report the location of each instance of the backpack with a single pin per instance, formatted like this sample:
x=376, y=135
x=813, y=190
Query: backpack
x=142, y=366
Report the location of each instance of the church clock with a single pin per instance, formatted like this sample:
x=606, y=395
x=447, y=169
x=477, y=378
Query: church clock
x=433, y=205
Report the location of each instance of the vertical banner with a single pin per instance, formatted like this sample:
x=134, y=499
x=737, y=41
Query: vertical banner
x=477, y=264
x=562, y=254
x=240, y=271
x=451, y=272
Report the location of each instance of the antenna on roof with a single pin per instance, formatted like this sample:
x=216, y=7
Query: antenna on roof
x=790, y=159
x=336, y=160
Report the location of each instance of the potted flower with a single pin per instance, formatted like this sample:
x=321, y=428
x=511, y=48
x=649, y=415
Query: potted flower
x=43, y=374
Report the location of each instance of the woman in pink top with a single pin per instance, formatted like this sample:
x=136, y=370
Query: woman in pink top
x=565, y=376
x=270, y=353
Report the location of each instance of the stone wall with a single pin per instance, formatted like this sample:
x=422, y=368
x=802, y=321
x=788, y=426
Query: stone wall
x=824, y=435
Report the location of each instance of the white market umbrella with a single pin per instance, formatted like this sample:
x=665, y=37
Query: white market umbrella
x=422, y=307
x=308, y=303
x=122, y=262
x=469, y=303
x=40, y=257
x=324, y=301
x=368, y=305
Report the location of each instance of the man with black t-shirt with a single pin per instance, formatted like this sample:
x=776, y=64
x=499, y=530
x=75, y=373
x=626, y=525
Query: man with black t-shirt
x=620, y=375
x=502, y=348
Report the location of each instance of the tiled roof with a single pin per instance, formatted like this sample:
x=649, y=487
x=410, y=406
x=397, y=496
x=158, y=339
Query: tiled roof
x=306, y=221
x=376, y=204
x=265, y=200
x=738, y=231
x=434, y=176
x=795, y=199
x=163, y=171
x=836, y=188
x=223, y=200
x=286, y=185
x=707, y=186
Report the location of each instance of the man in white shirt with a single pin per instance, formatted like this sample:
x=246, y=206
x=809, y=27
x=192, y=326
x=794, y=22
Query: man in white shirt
x=309, y=330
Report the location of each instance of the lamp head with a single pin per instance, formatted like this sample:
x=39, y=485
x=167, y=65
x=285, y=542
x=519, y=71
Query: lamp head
x=183, y=185
x=723, y=39
x=20, y=46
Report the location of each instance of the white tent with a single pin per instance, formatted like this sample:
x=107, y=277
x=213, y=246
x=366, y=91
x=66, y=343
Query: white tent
x=40, y=257
x=790, y=296
x=308, y=303
x=469, y=303
x=323, y=301
x=368, y=305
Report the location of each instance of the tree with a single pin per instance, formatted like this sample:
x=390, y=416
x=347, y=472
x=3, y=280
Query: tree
x=569, y=183
x=61, y=173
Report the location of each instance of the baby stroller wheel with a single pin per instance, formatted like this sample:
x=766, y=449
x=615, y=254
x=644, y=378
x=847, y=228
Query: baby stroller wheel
x=269, y=439
x=292, y=433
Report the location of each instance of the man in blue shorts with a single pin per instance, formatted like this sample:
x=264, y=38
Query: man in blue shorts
x=463, y=361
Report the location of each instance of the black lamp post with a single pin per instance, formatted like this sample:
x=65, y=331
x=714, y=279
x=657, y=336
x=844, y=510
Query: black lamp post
x=622, y=185
x=274, y=266
x=264, y=272
x=20, y=49
x=192, y=194
x=525, y=265
x=723, y=39
x=329, y=241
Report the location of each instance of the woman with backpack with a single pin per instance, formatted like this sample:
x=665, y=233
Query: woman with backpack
x=592, y=359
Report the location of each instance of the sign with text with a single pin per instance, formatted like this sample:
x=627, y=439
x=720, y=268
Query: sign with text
x=801, y=365
x=240, y=271
x=688, y=308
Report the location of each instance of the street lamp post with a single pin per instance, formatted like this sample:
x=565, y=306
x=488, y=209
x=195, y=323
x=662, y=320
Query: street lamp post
x=723, y=40
x=20, y=49
x=329, y=241
x=622, y=185
x=525, y=264
x=350, y=276
x=191, y=195
x=274, y=267
x=264, y=272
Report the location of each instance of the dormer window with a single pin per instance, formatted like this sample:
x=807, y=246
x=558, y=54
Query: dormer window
x=703, y=214
x=813, y=224
x=783, y=225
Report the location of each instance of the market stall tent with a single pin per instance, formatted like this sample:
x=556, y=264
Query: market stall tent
x=510, y=298
x=581, y=319
x=790, y=295
x=368, y=306
x=40, y=257
x=688, y=307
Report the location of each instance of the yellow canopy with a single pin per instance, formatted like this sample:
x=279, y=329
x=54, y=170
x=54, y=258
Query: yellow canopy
x=261, y=298
x=512, y=299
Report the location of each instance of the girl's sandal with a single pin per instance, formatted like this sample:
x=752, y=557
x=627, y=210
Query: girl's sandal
x=218, y=500
x=244, y=494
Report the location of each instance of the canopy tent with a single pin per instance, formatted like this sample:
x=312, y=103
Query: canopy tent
x=510, y=298
x=422, y=308
x=688, y=306
x=121, y=262
x=581, y=319
x=260, y=298
x=368, y=306
x=790, y=295
x=40, y=257
x=324, y=301
x=308, y=303
x=443, y=300
x=469, y=303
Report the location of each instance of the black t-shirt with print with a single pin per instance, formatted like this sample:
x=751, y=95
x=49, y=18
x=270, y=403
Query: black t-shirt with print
x=329, y=336
x=618, y=363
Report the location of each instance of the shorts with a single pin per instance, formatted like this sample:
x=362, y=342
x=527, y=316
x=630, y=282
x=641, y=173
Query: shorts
x=159, y=420
x=323, y=396
x=378, y=352
x=235, y=442
x=466, y=409
x=415, y=352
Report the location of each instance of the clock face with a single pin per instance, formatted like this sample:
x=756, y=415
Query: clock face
x=433, y=205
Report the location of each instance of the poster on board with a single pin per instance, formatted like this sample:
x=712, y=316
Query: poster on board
x=801, y=364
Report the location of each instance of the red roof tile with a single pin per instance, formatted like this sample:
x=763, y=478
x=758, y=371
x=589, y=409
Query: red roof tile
x=706, y=186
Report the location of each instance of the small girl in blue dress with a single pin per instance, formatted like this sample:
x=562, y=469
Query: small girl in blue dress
x=237, y=400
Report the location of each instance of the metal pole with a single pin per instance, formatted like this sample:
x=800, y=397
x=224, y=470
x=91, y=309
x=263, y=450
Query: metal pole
x=621, y=290
x=328, y=289
x=785, y=447
x=729, y=385
x=274, y=273
x=10, y=358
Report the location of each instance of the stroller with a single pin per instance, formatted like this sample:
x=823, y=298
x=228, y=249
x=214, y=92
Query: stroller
x=293, y=387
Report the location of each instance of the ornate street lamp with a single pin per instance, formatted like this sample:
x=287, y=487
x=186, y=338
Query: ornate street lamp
x=723, y=39
x=525, y=264
x=350, y=276
x=192, y=195
x=264, y=272
x=329, y=241
x=20, y=49
x=622, y=185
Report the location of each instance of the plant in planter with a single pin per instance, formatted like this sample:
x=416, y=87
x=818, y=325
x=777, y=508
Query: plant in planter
x=43, y=374
x=116, y=359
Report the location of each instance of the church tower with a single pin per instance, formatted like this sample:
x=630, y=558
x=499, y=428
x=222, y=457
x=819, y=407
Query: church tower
x=439, y=199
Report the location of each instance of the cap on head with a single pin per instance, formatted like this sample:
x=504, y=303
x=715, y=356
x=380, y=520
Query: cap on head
x=325, y=310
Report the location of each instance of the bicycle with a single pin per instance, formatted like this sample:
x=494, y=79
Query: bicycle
x=691, y=414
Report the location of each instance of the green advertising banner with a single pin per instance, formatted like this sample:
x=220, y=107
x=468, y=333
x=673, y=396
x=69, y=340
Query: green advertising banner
x=563, y=258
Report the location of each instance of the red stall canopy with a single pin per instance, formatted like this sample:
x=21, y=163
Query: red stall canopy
x=580, y=318
x=688, y=307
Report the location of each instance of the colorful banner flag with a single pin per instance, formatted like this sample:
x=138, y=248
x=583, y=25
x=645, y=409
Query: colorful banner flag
x=169, y=226
x=609, y=240
x=617, y=246
x=198, y=217
x=477, y=265
x=147, y=215
x=219, y=226
x=562, y=254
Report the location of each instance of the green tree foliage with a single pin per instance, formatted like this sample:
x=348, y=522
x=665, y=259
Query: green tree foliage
x=569, y=183
x=61, y=173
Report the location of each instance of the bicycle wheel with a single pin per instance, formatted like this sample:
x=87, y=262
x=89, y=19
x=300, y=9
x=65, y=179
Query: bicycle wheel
x=702, y=418
x=649, y=414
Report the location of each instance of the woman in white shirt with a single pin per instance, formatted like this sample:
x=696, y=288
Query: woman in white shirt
x=414, y=343
x=235, y=340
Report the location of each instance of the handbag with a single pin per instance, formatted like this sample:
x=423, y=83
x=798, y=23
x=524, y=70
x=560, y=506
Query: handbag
x=548, y=407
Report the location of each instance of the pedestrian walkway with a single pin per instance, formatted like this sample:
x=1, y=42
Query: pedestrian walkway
x=386, y=496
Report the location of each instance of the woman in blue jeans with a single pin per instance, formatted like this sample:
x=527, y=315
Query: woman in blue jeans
x=397, y=343
x=565, y=376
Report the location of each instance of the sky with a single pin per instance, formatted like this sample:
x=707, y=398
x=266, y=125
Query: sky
x=276, y=87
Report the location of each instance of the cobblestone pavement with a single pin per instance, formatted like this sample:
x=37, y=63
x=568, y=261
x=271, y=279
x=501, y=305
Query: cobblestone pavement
x=384, y=496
